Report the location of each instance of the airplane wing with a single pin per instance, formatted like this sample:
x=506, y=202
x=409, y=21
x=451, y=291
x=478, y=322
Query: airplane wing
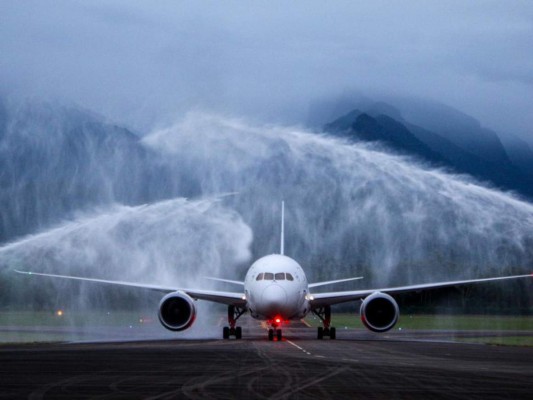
x=230, y=298
x=316, y=284
x=330, y=298
x=225, y=280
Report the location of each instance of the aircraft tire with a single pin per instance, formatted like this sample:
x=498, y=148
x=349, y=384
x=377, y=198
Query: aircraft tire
x=320, y=333
x=332, y=333
x=270, y=334
x=225, y=332
x=279, y=335
x=238, y=332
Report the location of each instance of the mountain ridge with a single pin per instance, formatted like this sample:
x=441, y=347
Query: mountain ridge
x=408, y=138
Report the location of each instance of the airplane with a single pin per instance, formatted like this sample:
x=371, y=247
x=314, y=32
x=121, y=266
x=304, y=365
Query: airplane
x=275, y=289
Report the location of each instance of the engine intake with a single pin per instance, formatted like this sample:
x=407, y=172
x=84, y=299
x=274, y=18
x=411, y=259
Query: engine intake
x=177, y=311
x=379, y=312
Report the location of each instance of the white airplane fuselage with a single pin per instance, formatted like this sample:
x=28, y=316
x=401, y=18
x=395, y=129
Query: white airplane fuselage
x=276, y=288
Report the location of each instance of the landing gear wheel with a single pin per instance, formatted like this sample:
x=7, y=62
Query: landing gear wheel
x=320, y=334
x=324, y=314
x=271, y=334
x=234, y=313
x=278, y=335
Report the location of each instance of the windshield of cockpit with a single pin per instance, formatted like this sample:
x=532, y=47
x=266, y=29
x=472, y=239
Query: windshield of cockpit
x=279, y=276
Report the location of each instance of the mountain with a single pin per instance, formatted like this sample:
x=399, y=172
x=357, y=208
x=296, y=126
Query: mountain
x=458, y=128
x=383, y=129
x=47, y=150
x=520, y=152
x=405, y=137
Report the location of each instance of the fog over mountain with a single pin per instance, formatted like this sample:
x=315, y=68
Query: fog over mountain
x=144, y=65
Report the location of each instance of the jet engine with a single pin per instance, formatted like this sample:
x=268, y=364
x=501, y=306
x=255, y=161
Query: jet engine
x=177, y=311
x=379, y=312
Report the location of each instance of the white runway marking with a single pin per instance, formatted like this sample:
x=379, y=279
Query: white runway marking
x=298, y=347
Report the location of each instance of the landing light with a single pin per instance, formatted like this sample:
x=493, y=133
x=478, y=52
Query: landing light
x=59, y=313
x=278, y=320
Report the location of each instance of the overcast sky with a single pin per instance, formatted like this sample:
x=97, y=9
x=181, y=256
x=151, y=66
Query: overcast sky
x=145, y=63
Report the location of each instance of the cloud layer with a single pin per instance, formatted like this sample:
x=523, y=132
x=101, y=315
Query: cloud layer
x=143, y=64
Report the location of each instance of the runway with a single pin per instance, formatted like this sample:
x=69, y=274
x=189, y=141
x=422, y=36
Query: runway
x=299, y=367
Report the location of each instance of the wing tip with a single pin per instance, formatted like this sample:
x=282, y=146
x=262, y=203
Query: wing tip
x=21, y=272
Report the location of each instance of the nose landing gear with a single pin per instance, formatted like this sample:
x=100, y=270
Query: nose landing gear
x=275, y=331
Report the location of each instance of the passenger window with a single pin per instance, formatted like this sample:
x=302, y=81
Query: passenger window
x=259, y=277
x=269, y=276
x=289, y=277
x=280, y=276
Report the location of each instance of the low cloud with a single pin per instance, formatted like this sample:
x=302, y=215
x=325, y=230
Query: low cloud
x=142, y=64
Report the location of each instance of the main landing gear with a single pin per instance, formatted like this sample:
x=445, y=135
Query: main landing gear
x=324, y=313
x=234, y=313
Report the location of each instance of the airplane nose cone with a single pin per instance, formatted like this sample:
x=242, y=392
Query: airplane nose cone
x=273, y=299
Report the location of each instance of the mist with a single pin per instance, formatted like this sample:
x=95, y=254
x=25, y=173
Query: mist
x=174, y=243
x=351, y=208
x=155, y=243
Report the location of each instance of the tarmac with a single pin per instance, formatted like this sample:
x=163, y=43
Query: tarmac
x=357, y=365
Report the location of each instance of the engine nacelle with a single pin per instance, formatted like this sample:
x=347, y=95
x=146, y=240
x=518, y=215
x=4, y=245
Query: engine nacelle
x=379, y=312
x=177, y=311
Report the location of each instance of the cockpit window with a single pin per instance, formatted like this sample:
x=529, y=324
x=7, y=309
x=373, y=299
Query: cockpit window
x=259, y=277
x=280, y=276
x=269, y=276
x=289, y=277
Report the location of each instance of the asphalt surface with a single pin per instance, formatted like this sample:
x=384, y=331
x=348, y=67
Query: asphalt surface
x=356, y=365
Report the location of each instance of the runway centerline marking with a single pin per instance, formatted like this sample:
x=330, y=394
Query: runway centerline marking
x=298, y=347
